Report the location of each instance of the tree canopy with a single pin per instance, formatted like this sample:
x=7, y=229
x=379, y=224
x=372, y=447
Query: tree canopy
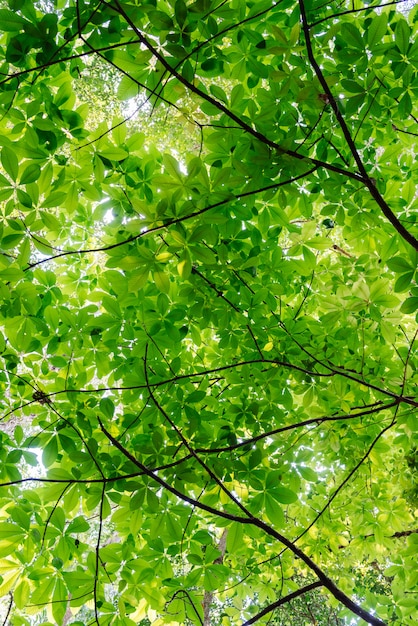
x=208, y=312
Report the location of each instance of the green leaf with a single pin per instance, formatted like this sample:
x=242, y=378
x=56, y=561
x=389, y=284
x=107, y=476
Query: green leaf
x=56, y=198
x=377, y=29
x=386, y=301
x=402, y=33
x=204, y=255
x=107, y=407
x=399, y=264
x=127, y=88
x=180, y=10
x=21, y=592
x=11, y=532
x=308, y=474
x=18, y=434
x=234, y=541
x=274, y=511
x=138, y=280
x=78, y=525
x=173, y=528
x=10, y=21
x=50, y=452
x=410, y=305
x=405, y=105
x=196, y=396
x=114, y=154
x=30, y=174
x=10, y=162
x=404, y=281
x=162, y=281
x=12, y=274
x=10, y=241
x=351, y=34
x=154, y=597
x=283, y=495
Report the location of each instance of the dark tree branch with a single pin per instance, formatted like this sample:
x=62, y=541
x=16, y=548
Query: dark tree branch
x=67, y=486
x=404, y=533
x=9, y=608
x=332, y=371
x=82, y=439
x=398, y=535
x=185, y=593
x=187, y=445
x=250, y=519
x=71, y=57
x=406, y=132
x=173, y=221
x=339, y=371
x=97, y=557
x=223, y=109
x=314, y=420
x=275, y=605
x=220, y=33
x=346, y=479
x=367, y=180
x=49, y=602
x=208, y=596
x=349, y=11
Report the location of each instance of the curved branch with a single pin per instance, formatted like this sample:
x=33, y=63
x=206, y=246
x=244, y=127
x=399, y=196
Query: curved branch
x=174, y=221
x=223, y=109
x=67, y=486
x=192, y=604
x=97, y=557
x=275, y=605
x=9, y=608
x=367, y=180
x=250, y=519
x=314, y=420
x=349, y=11
x=346, y=480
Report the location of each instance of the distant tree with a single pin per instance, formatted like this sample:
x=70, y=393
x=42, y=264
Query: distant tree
x=208, y=313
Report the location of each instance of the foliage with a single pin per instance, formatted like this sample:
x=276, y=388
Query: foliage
x=207, y=350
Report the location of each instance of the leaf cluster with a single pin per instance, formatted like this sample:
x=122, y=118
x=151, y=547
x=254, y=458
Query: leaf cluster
x=208, y=320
